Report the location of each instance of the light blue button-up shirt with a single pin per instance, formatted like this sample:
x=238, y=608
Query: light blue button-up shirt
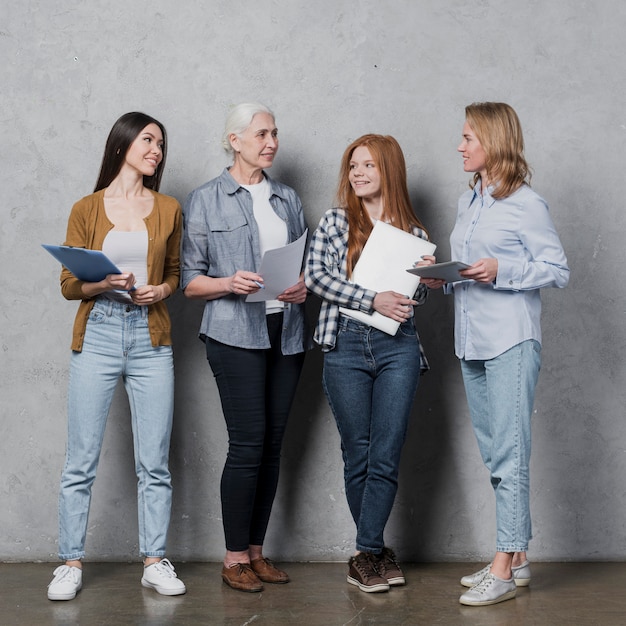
x=519, y=233
x=220, y=237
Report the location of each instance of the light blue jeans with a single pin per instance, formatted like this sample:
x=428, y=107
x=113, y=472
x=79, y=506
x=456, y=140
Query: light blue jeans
x=500, y=394
x=117, y=344
x=370, y=379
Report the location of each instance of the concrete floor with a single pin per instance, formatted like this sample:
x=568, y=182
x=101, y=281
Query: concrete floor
x=564, y=594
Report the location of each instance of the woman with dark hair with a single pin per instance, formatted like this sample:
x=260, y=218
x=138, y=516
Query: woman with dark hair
x=370, y=377
x=122, y=329
x=504, y=231
x=255, y=349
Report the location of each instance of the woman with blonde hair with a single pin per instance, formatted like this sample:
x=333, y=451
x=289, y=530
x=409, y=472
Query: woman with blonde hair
x=504, y=231
x=370, y=377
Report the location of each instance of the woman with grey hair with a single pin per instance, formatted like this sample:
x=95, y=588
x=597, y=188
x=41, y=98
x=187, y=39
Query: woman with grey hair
x=255, y=349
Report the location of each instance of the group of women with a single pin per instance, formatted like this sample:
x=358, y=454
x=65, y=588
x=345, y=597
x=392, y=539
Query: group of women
x=256, y=349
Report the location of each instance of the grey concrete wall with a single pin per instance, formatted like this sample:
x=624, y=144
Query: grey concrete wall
x=332, y=70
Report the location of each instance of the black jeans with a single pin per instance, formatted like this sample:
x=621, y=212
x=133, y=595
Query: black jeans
x=256, y=388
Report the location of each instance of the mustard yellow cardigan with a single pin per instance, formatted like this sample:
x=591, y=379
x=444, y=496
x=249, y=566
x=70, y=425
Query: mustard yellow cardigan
x=87, y=227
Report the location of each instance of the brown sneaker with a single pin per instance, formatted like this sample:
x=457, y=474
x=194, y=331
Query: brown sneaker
x=240, y=576
x=362, y=572
x=388, y=567
x=268, y=572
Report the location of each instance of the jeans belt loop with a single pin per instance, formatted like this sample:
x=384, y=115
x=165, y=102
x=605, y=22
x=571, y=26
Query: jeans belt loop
x=343, y=322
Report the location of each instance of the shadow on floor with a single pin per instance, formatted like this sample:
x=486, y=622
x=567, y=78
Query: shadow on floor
x=569, y=594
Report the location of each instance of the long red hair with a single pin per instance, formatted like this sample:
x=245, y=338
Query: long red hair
x=397, y=210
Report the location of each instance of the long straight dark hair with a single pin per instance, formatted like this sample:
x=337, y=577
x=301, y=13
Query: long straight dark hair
x=123, y=133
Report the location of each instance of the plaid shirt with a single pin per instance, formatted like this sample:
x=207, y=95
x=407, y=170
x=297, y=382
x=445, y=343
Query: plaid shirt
x=325, y=275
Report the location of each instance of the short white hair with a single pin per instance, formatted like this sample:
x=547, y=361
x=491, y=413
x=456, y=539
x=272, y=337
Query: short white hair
x=239, y=119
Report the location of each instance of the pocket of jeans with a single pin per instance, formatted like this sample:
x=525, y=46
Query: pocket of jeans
x=96, y=316
x=407, y=329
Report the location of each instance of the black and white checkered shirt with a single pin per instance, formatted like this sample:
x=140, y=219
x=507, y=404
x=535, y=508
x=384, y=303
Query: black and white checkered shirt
x=325, y=275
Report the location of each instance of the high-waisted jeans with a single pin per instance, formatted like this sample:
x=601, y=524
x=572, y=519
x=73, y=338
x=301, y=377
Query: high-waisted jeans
x=117, y=344
x=500, y=394
x=370, y=379
x=256, y=388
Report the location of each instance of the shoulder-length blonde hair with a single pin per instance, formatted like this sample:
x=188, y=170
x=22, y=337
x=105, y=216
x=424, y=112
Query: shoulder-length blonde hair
x=397, y=210
x=499, y=131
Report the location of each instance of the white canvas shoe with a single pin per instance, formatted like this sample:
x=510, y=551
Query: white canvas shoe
x=66, y=583
x=490, y=590
x=521, y=575
x=162, y=578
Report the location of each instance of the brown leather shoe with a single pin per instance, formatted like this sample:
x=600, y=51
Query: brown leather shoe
x=268, y=572
x=241, y=577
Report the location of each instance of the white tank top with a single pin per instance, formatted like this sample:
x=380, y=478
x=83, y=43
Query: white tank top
x=129, y=251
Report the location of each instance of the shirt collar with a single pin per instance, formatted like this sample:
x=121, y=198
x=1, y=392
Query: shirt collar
x=487, y=199
x=231, y=185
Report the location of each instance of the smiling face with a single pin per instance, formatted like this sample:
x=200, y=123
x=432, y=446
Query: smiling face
x=256, y=147
x=364, y=174
x=474, y=156
x=146, y=151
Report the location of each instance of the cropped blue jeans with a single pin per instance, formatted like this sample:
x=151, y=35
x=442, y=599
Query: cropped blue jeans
x=500, y=394
x=370, y=379
x=117, y=344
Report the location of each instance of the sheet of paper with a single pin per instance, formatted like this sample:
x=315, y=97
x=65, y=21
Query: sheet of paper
x=280, y=269
x=382, y=267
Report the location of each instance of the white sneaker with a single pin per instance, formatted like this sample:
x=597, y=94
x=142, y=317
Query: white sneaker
x=490, y=590
x=163, y=579
x=66, y=583
x=521, y=575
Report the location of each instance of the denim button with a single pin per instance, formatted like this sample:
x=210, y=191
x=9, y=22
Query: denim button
x=128, y=308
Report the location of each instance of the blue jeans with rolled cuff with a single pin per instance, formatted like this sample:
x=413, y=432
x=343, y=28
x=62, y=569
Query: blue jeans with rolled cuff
x=370, y=379
x=117, y=345
x=500, y=394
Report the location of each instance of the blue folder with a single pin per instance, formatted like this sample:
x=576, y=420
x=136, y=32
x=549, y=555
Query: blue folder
x=88, y=265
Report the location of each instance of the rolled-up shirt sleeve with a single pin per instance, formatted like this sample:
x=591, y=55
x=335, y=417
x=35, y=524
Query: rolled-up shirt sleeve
x=322, y=272
x=195, y=240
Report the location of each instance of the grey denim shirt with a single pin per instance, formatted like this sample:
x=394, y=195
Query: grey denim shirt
x=220, y=237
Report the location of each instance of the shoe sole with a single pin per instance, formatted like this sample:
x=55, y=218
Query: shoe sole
x=162, y=590
x=255, y=590
x=506, y=596
x=368, y=589
x=63, y=596
x=397, y=581
x=274, y=582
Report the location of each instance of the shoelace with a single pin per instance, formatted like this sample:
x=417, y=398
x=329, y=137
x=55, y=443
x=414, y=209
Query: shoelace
x=366, y=568
x=388, y=559
x=241, y=568
x=484, y=584
x=165, y=568
x=64, y=572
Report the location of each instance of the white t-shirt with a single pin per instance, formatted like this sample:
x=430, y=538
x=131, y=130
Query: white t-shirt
x=272, y=229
